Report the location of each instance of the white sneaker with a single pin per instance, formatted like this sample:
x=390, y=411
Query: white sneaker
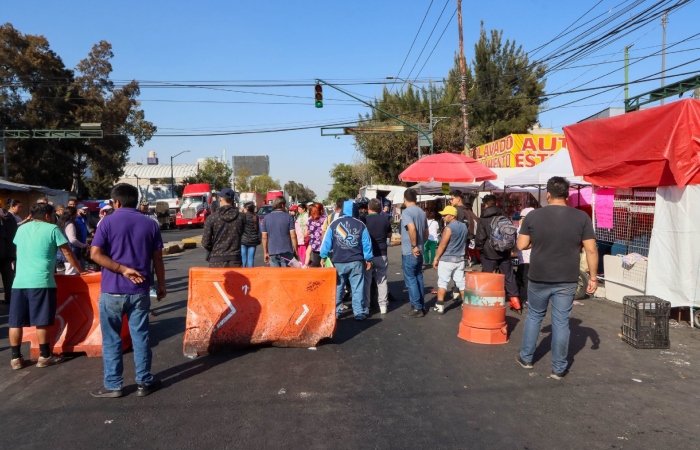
x=440, y=309
x=382, y=309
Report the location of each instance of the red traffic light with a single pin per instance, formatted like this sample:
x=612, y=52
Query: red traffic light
x=319, y=89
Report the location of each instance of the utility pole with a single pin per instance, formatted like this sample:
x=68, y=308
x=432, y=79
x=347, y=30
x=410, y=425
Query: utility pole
x=463, y=72
x=627, y=70
x=664, y=21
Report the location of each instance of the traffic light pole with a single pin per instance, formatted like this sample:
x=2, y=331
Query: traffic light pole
x=429, y=138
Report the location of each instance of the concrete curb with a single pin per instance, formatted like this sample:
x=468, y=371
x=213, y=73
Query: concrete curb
x=171, y=248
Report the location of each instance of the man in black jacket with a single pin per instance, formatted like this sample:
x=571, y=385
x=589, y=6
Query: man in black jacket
x=490, y=257
x=223, y=231
x=8, y=251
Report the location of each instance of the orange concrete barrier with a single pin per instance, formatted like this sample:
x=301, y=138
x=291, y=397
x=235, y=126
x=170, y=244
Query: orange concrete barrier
x=236, y=308
x=484, y=311
x=77, y=325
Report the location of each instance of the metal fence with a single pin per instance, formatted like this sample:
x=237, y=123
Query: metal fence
x=633, y=220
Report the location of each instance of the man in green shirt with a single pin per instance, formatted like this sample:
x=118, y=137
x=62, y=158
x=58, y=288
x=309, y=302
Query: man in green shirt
x=34, y=290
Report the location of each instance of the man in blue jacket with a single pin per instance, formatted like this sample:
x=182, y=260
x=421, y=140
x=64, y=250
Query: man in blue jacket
x=348, y=243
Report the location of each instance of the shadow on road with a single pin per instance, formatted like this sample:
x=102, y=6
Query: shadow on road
x=197, y=366
x=577, y=341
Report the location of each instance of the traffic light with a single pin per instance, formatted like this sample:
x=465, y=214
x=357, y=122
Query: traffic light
x=319, y=96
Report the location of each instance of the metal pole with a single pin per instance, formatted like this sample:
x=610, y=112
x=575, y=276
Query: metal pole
x=463, y=84
x=172, y=177
x=320, y=81
x=627, y=71
x=664, y=20
x=430, y=107
x=4, y=156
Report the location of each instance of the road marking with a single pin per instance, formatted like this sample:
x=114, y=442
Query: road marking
x=306, y=311
x=245, y=289
x=228, y=302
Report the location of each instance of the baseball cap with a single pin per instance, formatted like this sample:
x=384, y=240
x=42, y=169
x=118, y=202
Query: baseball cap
x=106, y=208
x=451, y=210
x=294, y=208
x=227, y=193
x=81, y=206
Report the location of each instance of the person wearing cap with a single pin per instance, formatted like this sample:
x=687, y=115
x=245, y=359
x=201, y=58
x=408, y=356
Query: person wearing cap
x=223, y=231
x=82, y=222
x=449, y=258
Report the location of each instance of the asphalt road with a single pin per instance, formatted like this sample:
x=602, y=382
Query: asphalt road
x=388, y=382
x=177, y=235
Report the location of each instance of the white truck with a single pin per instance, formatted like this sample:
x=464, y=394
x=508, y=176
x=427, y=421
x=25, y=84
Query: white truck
x=159, y=193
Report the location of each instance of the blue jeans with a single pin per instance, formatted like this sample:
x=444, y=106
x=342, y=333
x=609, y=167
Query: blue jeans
x=248, y=255
x=279, y=260
x=413, y=277
x=562, y=298
x=113, y=307
x=354, y=274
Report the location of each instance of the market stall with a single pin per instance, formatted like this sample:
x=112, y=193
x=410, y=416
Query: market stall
x=647, y=167
x=29, y=194
x=557, y=165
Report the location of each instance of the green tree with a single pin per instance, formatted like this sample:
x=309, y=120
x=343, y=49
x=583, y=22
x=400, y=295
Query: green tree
x=299, y=192
x=263, y=183
x=242, y=179
x=504, y=96
x=214, y=172
x=346, y=182
x=505, y=89
x=38, y=92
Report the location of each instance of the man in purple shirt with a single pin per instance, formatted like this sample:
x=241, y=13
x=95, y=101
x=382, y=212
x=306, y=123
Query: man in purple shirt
x=125, y=244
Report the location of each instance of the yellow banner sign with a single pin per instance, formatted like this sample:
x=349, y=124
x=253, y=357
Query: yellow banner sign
x=519, y=150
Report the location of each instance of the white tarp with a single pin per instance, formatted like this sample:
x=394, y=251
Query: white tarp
x=557, y=165
x=674, y=249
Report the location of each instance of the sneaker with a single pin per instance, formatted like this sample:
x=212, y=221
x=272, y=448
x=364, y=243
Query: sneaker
x=557, y=376
x=382, y=309
x=17, y=363
x=440, y=309
x=344, y=307
x=523, y=364
x=413, y=312
x=360, y=318
x=515, y=303
x=147, y=389
x=154, y=294
x=50, y=361
x=103, y=392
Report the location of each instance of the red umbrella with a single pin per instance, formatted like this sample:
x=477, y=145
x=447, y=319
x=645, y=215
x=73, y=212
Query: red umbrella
x=447, y=168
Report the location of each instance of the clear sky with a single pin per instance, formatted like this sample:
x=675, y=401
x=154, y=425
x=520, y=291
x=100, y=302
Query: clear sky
x=298, y=41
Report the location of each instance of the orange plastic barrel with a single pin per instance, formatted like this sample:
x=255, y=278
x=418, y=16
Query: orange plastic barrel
x=485, y=289
x=484, y=310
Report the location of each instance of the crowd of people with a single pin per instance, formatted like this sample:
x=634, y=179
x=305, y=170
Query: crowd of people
x=354, y=240
x=127, y=245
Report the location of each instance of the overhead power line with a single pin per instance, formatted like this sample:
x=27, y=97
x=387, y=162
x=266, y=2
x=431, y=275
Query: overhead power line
x=412, y=44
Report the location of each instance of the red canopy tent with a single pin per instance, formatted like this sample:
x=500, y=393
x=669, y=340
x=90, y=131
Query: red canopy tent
x=653, y=147
x=447, y=168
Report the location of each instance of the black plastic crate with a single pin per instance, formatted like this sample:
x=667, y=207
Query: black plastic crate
x=645, y=321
